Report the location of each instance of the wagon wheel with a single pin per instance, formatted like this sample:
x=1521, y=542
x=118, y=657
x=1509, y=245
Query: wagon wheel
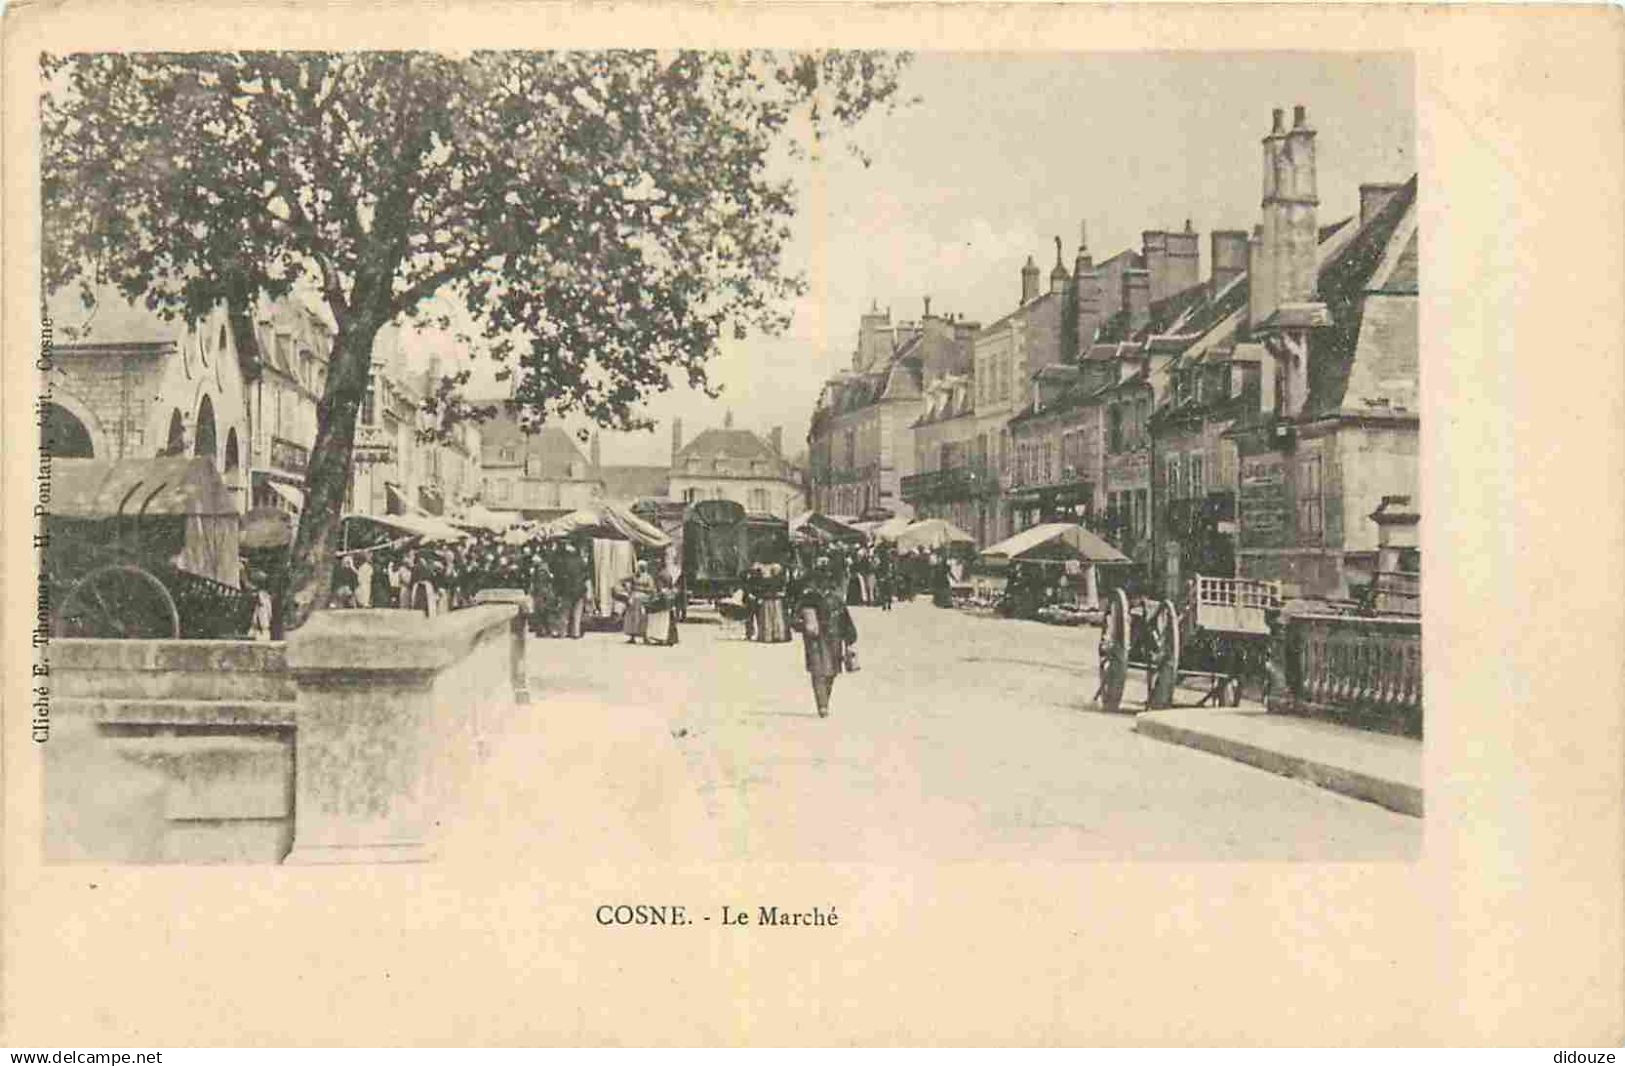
x=118, y=601
x=1162, y=672
x=1114, y=638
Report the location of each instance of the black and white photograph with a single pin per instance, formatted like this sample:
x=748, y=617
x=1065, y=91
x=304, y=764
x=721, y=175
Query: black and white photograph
x=492, y=469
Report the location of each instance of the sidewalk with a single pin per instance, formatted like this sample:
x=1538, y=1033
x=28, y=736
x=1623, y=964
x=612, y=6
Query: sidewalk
x=1377, y=767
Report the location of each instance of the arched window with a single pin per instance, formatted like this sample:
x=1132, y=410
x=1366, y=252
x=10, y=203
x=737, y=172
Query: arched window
x=176, y=444
x=206, y=444
x=221, y=345
x=233, y=460
x=63, y=436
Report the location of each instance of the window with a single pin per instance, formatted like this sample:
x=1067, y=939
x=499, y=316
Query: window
x=690, y=495
x=369, y=408
x=1170, y=476
x=1114, y=429
x=1311, y=513
x=758, y=500
x=1142, y=521
x=1198, y=486
x=504, y=490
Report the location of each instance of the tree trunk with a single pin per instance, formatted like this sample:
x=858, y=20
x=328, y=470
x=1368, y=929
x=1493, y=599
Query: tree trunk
x=327, y=480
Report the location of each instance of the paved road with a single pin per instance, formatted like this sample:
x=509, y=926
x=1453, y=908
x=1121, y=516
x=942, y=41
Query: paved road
x=962, y=738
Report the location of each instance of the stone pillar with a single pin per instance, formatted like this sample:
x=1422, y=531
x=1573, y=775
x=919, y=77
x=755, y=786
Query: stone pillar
x=386, y=700
x=516, y=640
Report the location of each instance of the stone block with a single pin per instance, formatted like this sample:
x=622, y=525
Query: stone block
x=388, y=713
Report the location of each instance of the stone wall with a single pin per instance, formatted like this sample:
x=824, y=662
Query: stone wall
x=170, y=751
x=346, y=744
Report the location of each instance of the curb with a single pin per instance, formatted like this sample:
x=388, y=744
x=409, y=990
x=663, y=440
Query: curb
x=1403, y=798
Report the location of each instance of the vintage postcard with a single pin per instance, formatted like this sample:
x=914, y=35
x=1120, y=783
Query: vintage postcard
x=812, y=524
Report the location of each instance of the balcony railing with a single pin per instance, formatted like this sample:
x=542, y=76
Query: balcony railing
x=288, y=456
x=958, y=482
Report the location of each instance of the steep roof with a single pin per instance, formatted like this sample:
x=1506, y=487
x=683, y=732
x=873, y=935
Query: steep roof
x=628, y=483
x=110, y=320
x=726, y=444
x=1366, y=360
x=550, y=450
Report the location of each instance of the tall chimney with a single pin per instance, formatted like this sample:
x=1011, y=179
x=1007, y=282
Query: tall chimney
x=1029, y=281
x=1229, y=256
x=1374, y=196
x=1261, y=287
x=1137, y=297
x=1058, y=277
x=728, y=419
x=597, y=454
x=927, y=313
x=676, y=437
x=1154, y=247
x=777, y=439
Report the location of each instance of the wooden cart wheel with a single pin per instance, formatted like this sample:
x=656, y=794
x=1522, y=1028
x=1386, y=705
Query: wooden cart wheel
x=1114, y=638
x=120, y=602
x=1162, y=675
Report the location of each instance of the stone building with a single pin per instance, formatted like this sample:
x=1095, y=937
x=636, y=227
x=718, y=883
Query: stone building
x=541, y=474
x=125, y=383
x=735, y=464
x=859, y=444
x=1336, y=427
x=128, y=383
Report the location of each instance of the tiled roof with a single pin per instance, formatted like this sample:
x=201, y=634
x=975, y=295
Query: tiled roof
x=626, y=483
x=110, y=320
x=726, y=443
x=551, y=450
x=1345, y=282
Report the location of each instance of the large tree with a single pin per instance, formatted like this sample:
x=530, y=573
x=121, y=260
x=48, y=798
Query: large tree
x=603, y=217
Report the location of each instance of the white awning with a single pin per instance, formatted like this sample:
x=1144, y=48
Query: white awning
x=295, y=498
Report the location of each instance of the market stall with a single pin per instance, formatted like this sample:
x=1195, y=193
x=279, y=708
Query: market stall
x=1053, y=565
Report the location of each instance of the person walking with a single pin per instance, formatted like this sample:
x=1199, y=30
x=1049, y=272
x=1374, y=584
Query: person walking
x=885, y=577
x=826, y=630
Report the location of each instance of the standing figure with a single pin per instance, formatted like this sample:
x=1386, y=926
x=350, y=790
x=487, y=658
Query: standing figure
x=750, y=588
x=661, y=626
x=636, y=591
x=770, y=623
x=885, y=577
x=570, y=585
x=942, y=593
x=826, y=631
x=344, y=582
x=383, y=591
x=540, y=587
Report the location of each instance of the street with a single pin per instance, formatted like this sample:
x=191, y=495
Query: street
x=961, y=738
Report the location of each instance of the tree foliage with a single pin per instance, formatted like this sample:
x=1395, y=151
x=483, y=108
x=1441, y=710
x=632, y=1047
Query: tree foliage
x=604, y=218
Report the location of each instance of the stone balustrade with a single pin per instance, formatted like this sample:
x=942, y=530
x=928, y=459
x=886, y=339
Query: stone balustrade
x=1363, y=670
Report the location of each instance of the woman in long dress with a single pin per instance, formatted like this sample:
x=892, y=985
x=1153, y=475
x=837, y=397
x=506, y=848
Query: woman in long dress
x=659, y=627
x=771, y=625
x=637, y=589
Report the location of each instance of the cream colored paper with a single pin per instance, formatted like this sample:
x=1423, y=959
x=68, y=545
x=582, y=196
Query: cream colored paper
x=1507, y=931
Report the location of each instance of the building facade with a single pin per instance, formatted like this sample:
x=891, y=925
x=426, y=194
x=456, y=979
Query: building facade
x=1336, y=429
x=860, y=444
x=538, y=474
x=735, y=464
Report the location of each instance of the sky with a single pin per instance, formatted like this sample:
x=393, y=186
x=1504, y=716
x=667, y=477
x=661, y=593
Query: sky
x=1000, y=154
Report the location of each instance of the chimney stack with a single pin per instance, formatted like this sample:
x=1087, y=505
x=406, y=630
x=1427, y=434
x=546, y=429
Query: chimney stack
x=1137, y=297
x=597, y=454
x=777, y=439
x=1374, y=196
x=1029, y=281
x=728, y=419
x=676, y=437
x=1229, y=256
x=1289, y=256
x=1058, y=277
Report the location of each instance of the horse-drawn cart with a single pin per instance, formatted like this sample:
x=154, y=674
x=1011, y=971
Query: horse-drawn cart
x=1219, y=637
x=143, y=548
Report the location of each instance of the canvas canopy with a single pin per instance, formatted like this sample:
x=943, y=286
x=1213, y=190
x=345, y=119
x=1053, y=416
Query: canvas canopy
x=608, y=521
x=478, y=516
x=1057, y=541
x=891, y=528
x=175, y=508
x=823, y=527
x=933, y=533
x=395, y=526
